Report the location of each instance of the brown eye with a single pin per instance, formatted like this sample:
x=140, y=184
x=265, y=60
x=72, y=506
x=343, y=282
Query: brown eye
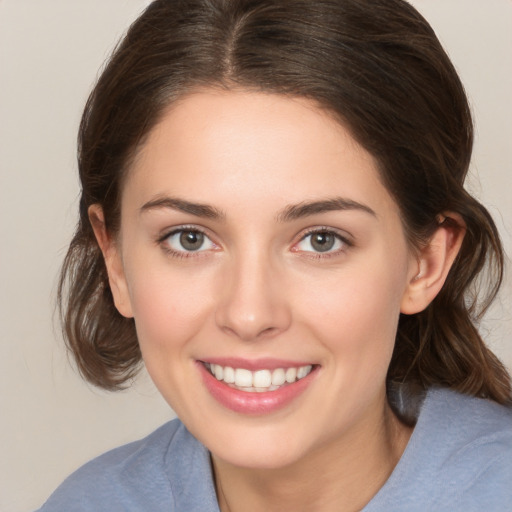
x=191, y=240
x=187, y=241
x=322, y=241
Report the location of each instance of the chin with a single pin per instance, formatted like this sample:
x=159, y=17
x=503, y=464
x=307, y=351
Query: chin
x=260, y=459
x=266, y=448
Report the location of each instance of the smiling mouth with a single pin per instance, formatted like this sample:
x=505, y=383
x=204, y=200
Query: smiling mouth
x=258, y=381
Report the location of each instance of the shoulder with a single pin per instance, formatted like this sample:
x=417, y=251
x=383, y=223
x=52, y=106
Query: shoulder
x=458, y=458
x=466, y=425
x=473, y=440
x=474, y=418
x=140, y=476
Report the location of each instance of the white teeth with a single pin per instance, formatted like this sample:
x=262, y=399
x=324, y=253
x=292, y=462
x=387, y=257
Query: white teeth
x=243, y=378
x=229, y=375
x=303, y=371
x=278, y=377
x=218, y=371
x=260, y=380
x=291, y=374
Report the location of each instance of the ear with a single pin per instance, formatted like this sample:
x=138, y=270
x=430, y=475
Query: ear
x=113, y=261
x=431, y=267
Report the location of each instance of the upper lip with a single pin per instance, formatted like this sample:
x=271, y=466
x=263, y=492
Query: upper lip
x=255, y=364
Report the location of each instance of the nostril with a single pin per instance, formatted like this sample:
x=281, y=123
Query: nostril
x=267, y=331
x=246, y=334
x=251, y=309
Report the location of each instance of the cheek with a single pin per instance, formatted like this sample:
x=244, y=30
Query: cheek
x=356, y=311
x=169, y=307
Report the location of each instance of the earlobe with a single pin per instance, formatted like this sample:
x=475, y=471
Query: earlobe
x=433, y=263
x=113, y=261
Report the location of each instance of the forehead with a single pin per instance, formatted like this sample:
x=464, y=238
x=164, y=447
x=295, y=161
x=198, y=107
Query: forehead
x=231, y=146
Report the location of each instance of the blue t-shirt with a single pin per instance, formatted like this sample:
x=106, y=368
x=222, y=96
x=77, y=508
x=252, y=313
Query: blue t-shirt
x=459, y=458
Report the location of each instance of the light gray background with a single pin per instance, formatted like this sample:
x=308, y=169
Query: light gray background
x=50, y=51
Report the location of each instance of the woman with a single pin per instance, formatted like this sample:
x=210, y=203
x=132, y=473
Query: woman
x=273, y=219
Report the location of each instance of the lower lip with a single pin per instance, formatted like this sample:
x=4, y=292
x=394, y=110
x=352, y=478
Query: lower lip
x=254, y=403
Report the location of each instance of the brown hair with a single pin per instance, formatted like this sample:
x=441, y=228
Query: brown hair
x=375, y=64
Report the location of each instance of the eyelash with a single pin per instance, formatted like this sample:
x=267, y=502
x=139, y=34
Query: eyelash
x=182, y=254
x=310, y=254
x=347, y=244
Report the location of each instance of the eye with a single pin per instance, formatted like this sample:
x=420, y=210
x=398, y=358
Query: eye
x=322, y=241
x=187, y=240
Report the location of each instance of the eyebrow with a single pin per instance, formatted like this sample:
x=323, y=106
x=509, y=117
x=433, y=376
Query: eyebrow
x=173, y=203
x=297, y=211
x=289, y=213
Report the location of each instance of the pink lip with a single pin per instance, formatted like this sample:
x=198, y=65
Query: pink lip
x=254, y=403
x=255, y=364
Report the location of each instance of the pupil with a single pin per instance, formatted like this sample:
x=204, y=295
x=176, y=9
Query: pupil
x=322, y=242
x=191, y=240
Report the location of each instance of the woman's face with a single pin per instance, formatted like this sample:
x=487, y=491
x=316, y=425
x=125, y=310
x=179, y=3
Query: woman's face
x=257, y=242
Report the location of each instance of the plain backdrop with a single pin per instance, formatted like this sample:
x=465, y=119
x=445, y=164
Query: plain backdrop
x=50, y=51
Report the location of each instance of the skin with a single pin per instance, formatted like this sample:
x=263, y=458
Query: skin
x=259, y=289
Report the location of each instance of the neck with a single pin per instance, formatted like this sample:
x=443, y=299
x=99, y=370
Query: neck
x=343, y=475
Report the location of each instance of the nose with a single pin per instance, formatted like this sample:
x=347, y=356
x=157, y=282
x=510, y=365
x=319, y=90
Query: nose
x=253, y=302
